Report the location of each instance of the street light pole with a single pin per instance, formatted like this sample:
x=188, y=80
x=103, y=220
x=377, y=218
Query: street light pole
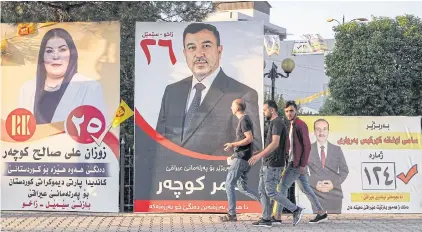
x=287, y=65
x=273, y=74
x=356, y=19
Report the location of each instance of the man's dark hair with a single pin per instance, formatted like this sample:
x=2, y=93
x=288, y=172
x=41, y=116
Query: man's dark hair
x=290, y=103
x=272, y=104
x=322, y=120
x=194, y=28
x=241, y=104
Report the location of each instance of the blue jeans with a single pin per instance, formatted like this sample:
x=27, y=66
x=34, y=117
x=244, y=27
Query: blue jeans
x=237, y=176
x=269, y=177
x=303, y=183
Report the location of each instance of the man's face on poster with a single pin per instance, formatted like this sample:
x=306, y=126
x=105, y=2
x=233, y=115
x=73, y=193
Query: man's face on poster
x=321, y=131
x=202, y=53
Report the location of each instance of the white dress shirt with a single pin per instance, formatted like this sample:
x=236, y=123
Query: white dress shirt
x=291, y=159
x=207, y=82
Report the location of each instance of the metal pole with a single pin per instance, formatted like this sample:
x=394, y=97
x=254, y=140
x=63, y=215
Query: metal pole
x=273, y=75
x=122, y=175
x=272, y=86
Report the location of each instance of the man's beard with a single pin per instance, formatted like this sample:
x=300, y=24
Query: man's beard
x=200, y=74
x=293, y=118
x=269, y=117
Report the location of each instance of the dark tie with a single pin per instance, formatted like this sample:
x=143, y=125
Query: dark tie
x=322, y=156
x=193, y=108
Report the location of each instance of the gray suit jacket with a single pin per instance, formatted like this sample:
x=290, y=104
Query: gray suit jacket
x=335, y=170
x=214, y=124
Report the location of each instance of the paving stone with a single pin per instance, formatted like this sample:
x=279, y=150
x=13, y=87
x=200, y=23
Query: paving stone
x=67, y=222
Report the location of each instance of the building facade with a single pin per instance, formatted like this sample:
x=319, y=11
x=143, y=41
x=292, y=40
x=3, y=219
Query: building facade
x=307, y=79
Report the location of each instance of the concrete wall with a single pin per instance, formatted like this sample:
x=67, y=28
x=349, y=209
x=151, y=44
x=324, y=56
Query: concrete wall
x=245, y=15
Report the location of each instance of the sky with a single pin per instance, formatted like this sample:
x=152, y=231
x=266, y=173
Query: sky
x=304, y=17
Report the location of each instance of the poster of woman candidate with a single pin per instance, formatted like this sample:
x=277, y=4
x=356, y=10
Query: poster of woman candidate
x=187, y=76
x=60, y=88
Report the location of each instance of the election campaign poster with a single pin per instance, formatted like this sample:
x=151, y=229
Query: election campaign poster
x=186, y=77
x=60, y=89
x=364, y=164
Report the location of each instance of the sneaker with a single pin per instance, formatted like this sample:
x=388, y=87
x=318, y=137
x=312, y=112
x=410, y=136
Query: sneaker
x=275, y=221
x=319, y=218
x=228, y=218
x=263, y=223
x=297, y=215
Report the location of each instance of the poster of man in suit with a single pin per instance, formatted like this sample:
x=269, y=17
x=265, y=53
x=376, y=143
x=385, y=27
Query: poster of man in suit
x=187, y=76
x=327, y=169
x=364, y=164
x=187, y=124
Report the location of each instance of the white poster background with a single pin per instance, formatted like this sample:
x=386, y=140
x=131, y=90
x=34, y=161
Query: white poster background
x=102, y=198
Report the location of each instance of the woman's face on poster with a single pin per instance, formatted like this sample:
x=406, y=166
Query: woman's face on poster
x=56, y=57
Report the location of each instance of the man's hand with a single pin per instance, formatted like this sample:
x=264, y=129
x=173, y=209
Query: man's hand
x=228, y=146
x=328, y=185
x=324, y=186
x=302, y=170
x=320, y=187
x=252, y=161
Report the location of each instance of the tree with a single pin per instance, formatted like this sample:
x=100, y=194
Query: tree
x=376, y=68
x=128, y=13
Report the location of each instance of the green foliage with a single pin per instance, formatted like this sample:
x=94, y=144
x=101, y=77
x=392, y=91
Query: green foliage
x=128, y=13
x=376, y=68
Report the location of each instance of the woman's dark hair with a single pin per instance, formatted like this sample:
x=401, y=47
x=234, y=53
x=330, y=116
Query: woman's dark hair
x=72, y=68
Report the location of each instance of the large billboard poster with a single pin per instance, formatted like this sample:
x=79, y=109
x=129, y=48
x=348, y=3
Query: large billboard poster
x=60, y=88
x=187, y=76
x=365, y=164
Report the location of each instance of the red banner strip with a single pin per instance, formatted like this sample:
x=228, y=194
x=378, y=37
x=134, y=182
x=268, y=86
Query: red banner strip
x=140, y=121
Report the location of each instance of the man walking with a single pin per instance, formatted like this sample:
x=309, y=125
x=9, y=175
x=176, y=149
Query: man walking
x=239, y=165
x=299, y=147
x=272, y=166
x=298, y=143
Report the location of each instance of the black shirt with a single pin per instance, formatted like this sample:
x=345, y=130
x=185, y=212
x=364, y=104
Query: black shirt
x=276, y=158
x=244, y=125
x=47, y=106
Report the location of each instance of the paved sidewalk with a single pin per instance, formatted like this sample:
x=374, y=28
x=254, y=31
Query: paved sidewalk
x=60, y=221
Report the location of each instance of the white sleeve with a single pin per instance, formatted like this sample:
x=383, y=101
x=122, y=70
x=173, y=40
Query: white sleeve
x=95, y=97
